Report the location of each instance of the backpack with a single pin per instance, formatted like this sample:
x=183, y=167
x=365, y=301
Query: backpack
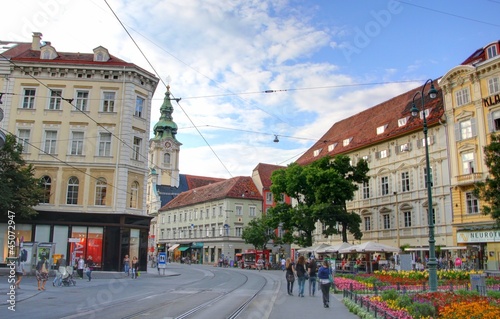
x=24, y=255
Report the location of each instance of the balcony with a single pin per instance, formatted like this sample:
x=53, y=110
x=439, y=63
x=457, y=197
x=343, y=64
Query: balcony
x=469, y=179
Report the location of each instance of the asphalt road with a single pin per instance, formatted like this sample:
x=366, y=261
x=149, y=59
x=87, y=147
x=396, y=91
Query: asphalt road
x=184, y=291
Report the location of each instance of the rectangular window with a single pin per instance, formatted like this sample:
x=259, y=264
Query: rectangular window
x=29, y=98
x=368, y=222
x=213, y=212
x=137, y=148
x=384, y=154
x=387, y=221
x=405, y=181
x=139, y=106
x=50, y=142
x=104, y=144
x=24, y=139
x=251, y=211
x=384, y=185
x=462, y=97
x=465, y=129
x=238, y=231
x=471, y=203
x=108, y=102
x=220, y=210
x=55, y=99
x=468, y=163
x=495, y=121
x=494, y=85
x=404, y=148
x=407, y=218
x=366, y=190
x=76, y=143
x=82, y=100
x=239, y=210
x=269, y=198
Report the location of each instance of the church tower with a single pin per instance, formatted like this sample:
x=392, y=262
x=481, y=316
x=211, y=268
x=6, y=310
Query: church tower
x=164, y=148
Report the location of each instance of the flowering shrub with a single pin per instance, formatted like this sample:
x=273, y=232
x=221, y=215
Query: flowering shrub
x=465, y=309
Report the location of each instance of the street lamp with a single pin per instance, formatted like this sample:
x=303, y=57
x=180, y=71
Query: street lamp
x=432, y=249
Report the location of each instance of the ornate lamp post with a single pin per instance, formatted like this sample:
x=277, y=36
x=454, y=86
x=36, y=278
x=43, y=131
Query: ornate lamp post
x=432, y=264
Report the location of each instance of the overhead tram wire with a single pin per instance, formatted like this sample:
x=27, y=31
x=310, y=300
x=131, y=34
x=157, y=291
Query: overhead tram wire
x=64, y=162
x=176, y=99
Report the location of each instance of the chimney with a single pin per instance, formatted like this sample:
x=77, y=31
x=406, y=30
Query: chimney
x=35, y=44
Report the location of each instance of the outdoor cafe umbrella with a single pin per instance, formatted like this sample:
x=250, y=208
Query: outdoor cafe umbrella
x=369, y=247
x=333, y=248
x=312, y=249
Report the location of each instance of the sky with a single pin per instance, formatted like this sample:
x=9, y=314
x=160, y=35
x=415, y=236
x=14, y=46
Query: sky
x=250, y=71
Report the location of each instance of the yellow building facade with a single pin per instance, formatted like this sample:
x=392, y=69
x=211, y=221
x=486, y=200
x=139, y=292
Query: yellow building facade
x=472, y=107
x=83, y=120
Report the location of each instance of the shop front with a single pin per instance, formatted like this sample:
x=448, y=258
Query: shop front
x=483, y=248
x=105, y=237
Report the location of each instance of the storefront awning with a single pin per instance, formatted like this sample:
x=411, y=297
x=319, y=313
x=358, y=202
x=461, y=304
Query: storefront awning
x=197, y=245
x=184, y=248
x=173, y=247
x=454, y=248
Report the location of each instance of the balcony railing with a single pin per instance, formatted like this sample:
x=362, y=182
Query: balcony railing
x=469, y=179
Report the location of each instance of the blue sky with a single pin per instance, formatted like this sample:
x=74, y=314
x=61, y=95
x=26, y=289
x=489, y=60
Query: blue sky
x=324, y=60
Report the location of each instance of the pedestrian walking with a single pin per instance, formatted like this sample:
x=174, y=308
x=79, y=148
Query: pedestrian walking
x=19, y=272
x=290, y=275
x=300, y=269
x=325, y=280
x=283, y=264
x=89, y=267
x=312, y=269
x=80, y=267
x=42, y=273
x=135, y=267
x=126, y=265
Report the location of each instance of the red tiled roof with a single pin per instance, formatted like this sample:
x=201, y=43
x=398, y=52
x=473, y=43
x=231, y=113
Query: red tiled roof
x=22, y=53
x=236, y=187
x=480, y=54
x=362, y=127
x=199, y=181
x=265, y=171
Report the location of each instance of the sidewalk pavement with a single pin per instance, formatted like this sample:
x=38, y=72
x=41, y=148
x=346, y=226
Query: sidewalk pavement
x=29, y=287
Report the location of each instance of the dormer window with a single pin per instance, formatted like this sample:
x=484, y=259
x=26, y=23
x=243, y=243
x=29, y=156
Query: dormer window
x=101, y=54
x=402, y=122
x=347, y=141
x=316, y=152
x=47, y=52
x=331, y=147
x=381, y=129
x=492, y=51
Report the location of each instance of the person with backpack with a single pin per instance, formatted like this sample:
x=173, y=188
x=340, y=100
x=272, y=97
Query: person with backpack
x=312, y=269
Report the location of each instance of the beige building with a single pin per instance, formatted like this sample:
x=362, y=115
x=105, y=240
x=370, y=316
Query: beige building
x=83, y=120
x=472, y=108
x=206, y=223
x=393, y=205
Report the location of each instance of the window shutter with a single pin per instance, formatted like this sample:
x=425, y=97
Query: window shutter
x=491, y=124
x=458, y=136
x=473, y=126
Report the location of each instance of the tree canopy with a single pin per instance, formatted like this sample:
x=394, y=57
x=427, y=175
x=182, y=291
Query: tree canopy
x=258, y=232
x=19, y=190
x=489, y=190
x=321, y=190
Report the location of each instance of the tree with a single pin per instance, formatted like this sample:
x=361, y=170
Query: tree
x=19, y=190
x=489, y=190
x=321, y=189
x=258, y=233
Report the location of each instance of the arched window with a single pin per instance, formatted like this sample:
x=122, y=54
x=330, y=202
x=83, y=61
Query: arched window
x=72, y=193
x=134, y=195
x=166, y=158
x=46, y=183
x=100, y=191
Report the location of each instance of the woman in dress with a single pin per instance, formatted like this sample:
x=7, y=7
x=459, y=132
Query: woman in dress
x=290, y=275
x=42, y=273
